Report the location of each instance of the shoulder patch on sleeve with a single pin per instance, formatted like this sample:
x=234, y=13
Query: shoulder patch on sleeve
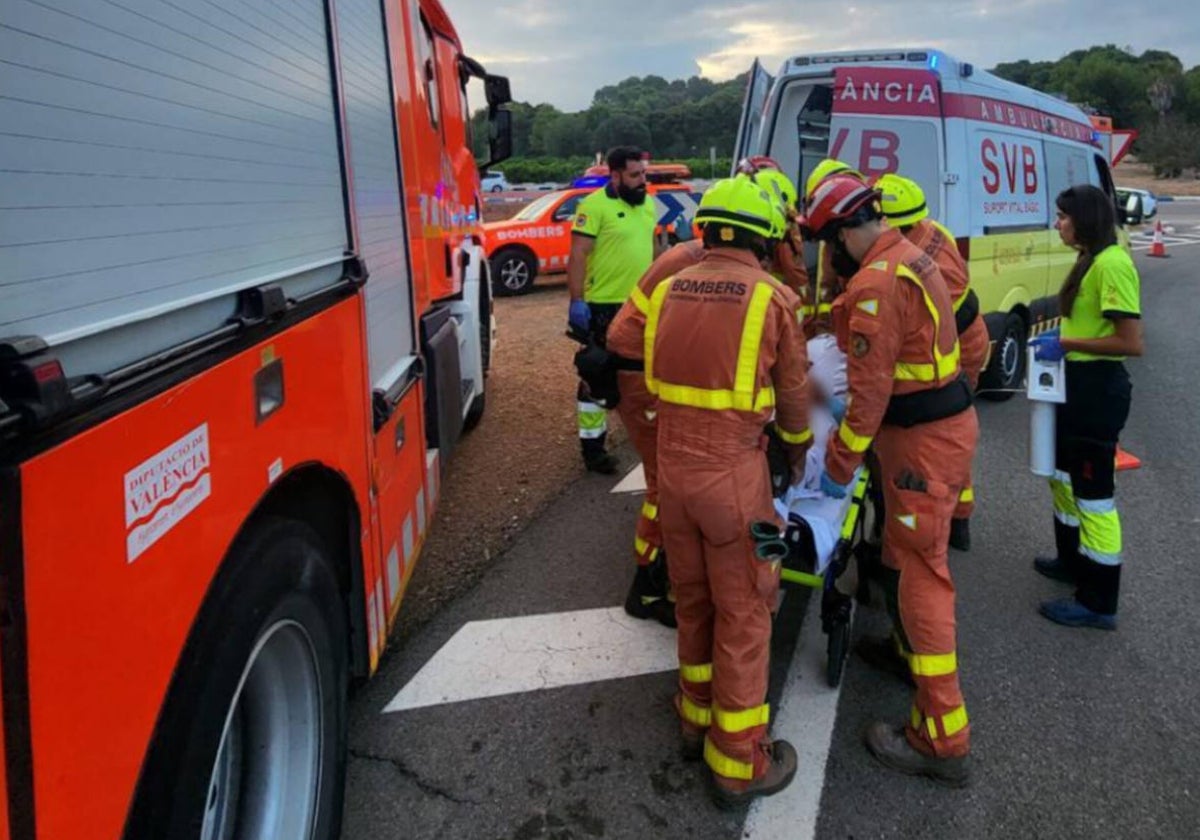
x=871, y=307
x=860, y=345
x=581, y=220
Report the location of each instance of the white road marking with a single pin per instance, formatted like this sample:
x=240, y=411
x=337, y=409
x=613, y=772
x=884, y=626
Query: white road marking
x=530, y=653
x=805, y=718
x=633, y=482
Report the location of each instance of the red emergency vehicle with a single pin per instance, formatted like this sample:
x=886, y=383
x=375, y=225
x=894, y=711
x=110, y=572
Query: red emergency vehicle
x=244, y=317
x=537, y=240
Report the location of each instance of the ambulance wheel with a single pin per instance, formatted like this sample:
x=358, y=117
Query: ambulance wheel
x=513, y=272
x=838, y=648
x=251, y=742
x=1006, y=371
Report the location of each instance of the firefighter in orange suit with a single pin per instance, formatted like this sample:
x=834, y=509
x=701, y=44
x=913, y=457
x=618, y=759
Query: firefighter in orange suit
x=910, y=402
x=649, y=595
x=904, y=207
x=723, y=352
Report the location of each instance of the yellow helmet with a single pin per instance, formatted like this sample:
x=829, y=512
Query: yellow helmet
x=780, y=185
x=742, y=203
x=903, y=200
x=827, y=167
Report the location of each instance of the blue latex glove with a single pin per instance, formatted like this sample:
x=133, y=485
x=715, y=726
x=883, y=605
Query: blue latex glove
x=831, y=488
x=837, y=407
x=1047, y=347
x=579, y=315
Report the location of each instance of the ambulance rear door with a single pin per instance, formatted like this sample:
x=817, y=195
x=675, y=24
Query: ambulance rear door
x=889, y=119
x=753, y=112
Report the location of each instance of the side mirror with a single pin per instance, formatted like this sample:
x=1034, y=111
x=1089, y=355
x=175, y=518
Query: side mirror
x=500, y=139
x=497, y=91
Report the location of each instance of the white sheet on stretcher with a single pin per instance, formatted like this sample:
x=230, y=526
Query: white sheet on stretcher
x=824, y=514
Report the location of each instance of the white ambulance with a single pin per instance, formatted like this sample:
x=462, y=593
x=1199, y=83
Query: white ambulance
x=990, y=155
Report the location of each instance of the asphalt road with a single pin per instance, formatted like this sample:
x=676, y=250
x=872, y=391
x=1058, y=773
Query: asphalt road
x=1077, y=734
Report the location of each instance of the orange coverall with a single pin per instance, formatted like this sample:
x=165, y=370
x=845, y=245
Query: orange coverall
x=895, y=322
x=938, y=243
x=723, y=346
x=637, y=406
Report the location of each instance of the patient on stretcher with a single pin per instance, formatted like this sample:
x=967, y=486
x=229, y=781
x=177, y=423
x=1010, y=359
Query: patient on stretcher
x=805, y=501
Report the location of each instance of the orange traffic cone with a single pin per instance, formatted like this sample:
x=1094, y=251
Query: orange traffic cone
x=1127, y=461
x=1158, y=248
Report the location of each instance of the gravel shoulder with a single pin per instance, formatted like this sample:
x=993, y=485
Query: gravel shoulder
x=523, y=454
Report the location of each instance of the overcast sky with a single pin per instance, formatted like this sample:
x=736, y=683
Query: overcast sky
x=561, y=51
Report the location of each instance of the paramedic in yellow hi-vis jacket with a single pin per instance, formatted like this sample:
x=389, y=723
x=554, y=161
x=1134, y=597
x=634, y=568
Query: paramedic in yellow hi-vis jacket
x=1101, y=325
x=612, y=245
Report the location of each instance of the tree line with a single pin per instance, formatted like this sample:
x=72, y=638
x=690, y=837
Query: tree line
x=681, y=120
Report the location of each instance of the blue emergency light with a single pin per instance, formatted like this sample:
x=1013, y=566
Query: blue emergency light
x=590, y=181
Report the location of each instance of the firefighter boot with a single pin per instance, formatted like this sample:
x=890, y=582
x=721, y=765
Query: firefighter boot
x=960, y=534
x=781, y=768
x=891, y=748
x=649, y=595
x=882, y=655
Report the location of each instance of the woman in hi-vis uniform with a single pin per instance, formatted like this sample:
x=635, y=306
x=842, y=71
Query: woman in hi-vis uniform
x=1101, y=325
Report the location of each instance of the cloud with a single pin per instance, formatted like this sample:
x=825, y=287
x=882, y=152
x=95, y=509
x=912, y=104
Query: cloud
x=561, y=51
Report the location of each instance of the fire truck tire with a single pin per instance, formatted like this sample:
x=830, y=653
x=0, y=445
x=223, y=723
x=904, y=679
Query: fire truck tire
x=513, y=272
x=251, y=742
x=1006, y=369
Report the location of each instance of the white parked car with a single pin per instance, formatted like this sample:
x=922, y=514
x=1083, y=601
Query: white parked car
x=1149, y=200
x=494, y=181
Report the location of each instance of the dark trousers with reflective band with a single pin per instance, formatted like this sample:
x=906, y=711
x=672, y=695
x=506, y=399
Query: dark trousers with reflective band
x=1087, y=527
x=592, y=418
x=638, y=410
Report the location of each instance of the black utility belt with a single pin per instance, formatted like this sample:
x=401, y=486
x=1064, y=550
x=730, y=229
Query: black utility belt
x=621, y=363
x=966, y=314
x=908, y=410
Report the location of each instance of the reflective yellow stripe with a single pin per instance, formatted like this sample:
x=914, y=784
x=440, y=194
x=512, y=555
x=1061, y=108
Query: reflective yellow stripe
x=824, y=308
x=752, y=330
x=741, y=721
x=656, y=301
x=723, y=765
x=716, y=398
x=696, y=673
x=793, y=437
x=855, y=443
x=650, y=511
x=967, y=495
x=643, y=549
x=692, y=713
x=743, y=396
x=955, y=721
x=944, y=366
x=932, y=664
x=640, y=300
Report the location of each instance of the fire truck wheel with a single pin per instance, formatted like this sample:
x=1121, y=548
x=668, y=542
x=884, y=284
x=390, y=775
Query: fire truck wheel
x=251, y=744
x=513, y=272
x=1006, y=369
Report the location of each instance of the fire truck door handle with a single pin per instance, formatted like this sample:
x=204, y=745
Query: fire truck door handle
x=268, y=390
x=449, y=260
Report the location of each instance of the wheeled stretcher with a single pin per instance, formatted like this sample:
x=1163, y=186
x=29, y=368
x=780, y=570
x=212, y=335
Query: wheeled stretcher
x=821, y=534
x=815, y=548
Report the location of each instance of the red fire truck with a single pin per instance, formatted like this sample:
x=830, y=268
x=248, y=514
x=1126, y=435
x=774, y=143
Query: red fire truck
x=244, y=318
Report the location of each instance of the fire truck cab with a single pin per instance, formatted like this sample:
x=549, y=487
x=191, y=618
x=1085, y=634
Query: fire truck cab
x=245, y=315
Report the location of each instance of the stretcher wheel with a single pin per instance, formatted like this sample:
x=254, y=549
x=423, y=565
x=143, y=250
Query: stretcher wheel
x=838, y=649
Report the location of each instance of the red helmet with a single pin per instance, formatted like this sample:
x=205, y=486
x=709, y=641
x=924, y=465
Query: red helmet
x=835, y=202
x=752, y=164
